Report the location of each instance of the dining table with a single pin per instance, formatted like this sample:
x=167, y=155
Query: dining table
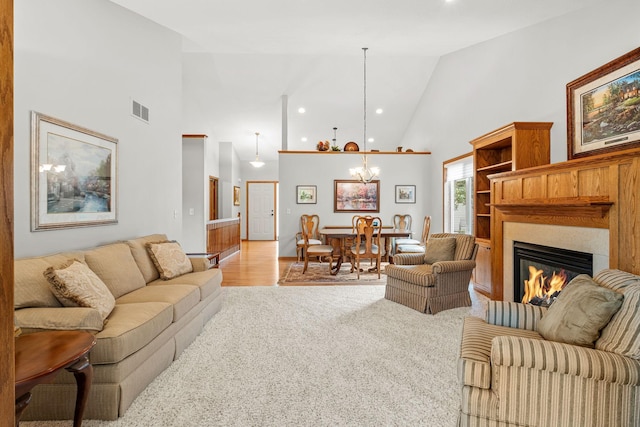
x=338, y=236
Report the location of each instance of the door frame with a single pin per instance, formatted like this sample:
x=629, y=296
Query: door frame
x=275, y=207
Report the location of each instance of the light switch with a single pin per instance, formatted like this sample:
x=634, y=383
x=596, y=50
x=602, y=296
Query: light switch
x=288, y=211
x=192, y=211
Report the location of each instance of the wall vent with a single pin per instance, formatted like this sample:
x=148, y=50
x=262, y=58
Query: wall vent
x=140, y=111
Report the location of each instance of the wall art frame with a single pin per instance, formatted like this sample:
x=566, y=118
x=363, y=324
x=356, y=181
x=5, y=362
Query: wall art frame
x=306, y=194
x=405, y=193
x=356, y=196
x=74, y=175
x=236, y=195
x=603, y=108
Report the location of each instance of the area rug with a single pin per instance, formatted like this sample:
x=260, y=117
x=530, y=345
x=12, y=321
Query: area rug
x=309, y=356
x=318, y=273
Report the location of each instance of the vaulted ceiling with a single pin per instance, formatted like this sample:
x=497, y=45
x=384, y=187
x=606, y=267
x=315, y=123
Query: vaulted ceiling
x=244, y=57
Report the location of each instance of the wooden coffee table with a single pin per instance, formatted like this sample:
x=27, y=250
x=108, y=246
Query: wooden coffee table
x=40, y=357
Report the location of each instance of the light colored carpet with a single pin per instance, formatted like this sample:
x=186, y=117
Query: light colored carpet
x=309, y=356
x=319, y=273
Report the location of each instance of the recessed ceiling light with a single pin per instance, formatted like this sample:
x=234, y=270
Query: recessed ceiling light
x=304, y=139
x=379, y=111
x=370, y=140
x=301, y=110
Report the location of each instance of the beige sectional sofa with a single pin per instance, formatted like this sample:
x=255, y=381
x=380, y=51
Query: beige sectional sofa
x=152, y=322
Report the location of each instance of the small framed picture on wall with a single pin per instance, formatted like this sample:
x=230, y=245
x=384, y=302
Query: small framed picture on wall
x=405, y=193
x=306, y=194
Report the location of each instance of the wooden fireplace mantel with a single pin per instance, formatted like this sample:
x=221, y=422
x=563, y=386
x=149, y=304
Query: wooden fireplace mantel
x=598, y=191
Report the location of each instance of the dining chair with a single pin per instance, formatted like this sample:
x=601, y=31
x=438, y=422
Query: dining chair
x=404, y=246
x=402, y=222
x=367, y=242
x=318, y=250
x=311, y=223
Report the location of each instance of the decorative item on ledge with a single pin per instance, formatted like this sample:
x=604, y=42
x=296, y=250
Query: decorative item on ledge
x=323, y=146
x=334, y=147
x=351, y=146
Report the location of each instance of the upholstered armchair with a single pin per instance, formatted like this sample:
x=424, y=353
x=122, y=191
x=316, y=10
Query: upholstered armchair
x=436, y=280
x=517, y=370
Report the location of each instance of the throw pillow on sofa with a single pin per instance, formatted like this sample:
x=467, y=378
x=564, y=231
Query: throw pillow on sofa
x=76, y=282
x=170, y=259
x=440, y=249
x=580, y=312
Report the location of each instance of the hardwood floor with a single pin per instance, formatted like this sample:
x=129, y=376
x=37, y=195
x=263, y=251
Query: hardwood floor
x=257, y=264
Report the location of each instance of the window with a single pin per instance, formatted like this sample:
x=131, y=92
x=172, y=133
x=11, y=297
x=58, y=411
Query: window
x=458, y=189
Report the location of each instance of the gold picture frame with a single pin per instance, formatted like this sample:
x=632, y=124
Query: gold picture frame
x=236, y=195
x=73, y=175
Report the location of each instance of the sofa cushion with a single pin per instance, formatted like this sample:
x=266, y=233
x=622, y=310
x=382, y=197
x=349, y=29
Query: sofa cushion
x=580, y=312
x=622, y=334
x=31, y=287
x=38, y=319
x=117, y=268
x=169, y=259
x=76, y=282
x=442, y=249
x=141, y=255
x=182, y=297
x=474, y=368
x=208, y=281
x=130, y=327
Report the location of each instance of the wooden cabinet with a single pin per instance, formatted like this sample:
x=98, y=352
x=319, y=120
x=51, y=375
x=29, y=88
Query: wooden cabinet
x=519, y=145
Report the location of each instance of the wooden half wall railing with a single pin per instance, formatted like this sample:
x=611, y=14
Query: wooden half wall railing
x=223, y=236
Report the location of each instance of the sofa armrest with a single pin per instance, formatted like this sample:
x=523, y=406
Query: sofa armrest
x=565, y=359
x=514, y=314
x=408, y=259
x=204, y=261
x=441, y=267
x=37, y=319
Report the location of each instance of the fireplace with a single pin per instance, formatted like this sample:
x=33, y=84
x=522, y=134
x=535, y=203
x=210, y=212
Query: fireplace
x=540, y=272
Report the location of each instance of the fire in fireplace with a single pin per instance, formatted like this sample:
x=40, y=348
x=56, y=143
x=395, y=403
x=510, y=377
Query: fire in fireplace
x=540, y=272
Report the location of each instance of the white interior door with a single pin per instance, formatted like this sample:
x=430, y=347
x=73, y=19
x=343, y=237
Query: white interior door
x=261, y=215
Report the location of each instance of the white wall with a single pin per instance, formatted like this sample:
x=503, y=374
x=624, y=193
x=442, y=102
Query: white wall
x=83, y=61
x=521, y=76
x=195, y=186
x=322, y=169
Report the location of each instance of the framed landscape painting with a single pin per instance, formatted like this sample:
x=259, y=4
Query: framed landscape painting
x=73, y=175
x=356, y=196
x=603, y=108
x=306, y=194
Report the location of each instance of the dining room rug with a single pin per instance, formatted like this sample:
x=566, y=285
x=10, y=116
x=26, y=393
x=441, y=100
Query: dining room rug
x=318, y=273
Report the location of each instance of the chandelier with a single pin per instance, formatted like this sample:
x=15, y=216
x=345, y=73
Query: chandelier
x=364, y=173
x=257, y=163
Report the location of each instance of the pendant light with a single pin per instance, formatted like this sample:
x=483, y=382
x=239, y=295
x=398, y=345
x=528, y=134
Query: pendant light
x=257, y=163
x=364, y=173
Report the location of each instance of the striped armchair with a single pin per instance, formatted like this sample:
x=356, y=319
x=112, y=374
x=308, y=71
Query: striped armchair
x=431, y=288
x=511, y=376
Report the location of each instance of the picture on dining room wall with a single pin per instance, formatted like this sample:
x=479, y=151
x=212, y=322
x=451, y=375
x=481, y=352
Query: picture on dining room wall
x=306, y=194
x=356, y=196
x=73, y=175
x=405, y=193
x=603, y=108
